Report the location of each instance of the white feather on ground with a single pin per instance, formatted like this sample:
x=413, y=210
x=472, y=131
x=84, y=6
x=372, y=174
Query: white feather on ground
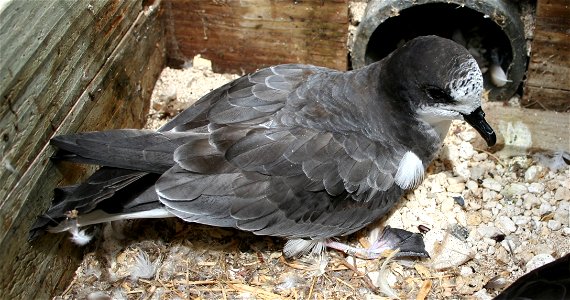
x=498, y=76
x=143, y=267
x=80, y=237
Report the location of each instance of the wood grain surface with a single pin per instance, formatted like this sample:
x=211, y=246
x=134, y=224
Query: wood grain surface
x=548, y=78
x=242, y=36
x=78, y=66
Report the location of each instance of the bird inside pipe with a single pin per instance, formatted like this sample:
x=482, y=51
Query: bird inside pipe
x=295, y=151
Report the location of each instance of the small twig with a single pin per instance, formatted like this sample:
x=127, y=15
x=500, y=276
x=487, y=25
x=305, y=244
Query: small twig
x=541, y=105
x=440, y=277
x=224, y=293
x=345, y=283
x=201, y=282
x=424, y=290
x=339, y=268
x=240, y=287
x=365, y=278
x=312, y=287
x=187, y=277
x=177, y=292
x=293, y=265
x=69, y=287
x=492, y=156
x=145, y=281
x=150, y=292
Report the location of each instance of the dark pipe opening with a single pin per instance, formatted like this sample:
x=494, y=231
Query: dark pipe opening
x=481, y=34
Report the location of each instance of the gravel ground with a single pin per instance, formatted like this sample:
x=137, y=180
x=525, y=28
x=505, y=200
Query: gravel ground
x=490, y=220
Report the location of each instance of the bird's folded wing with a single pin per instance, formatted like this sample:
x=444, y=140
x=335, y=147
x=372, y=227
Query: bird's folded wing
x=258, y=166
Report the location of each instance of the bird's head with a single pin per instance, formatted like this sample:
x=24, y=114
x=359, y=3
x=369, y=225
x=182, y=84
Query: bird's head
x=441, y=82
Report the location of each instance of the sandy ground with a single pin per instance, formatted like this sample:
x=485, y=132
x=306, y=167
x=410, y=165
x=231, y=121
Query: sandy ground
x=491, y=219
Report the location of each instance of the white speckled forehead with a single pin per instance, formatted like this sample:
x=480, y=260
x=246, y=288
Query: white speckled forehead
x=466, y=87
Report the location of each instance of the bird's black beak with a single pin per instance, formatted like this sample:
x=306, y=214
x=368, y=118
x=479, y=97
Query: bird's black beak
x=477, y=120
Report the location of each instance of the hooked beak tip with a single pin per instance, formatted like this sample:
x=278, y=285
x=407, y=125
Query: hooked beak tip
x=477, y=120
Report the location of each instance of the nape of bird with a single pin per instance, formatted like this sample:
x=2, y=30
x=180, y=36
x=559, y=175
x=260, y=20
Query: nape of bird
x=296, y=151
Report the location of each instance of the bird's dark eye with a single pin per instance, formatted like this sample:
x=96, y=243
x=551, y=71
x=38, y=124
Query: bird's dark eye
x=438, y=95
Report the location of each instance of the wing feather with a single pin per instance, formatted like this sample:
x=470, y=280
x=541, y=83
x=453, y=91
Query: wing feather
x=282, y=159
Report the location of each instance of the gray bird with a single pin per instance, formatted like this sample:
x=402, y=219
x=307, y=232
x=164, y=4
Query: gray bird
x=296, y=151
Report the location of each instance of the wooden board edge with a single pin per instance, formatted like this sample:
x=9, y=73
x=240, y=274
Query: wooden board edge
x=37, y=271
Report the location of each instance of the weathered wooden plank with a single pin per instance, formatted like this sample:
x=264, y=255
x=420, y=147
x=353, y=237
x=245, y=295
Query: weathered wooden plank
x=45, y=88
x=548, y=78
x=39, y=92
x=116, y=95
x=241, y=36
x=557, y=99
x=521, y=130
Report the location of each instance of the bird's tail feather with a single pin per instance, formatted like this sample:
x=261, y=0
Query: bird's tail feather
x=109, y=194
x=142, y=150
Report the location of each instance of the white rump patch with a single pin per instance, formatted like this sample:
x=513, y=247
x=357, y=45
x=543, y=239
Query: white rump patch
x=300, y=247
x=410, y=171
